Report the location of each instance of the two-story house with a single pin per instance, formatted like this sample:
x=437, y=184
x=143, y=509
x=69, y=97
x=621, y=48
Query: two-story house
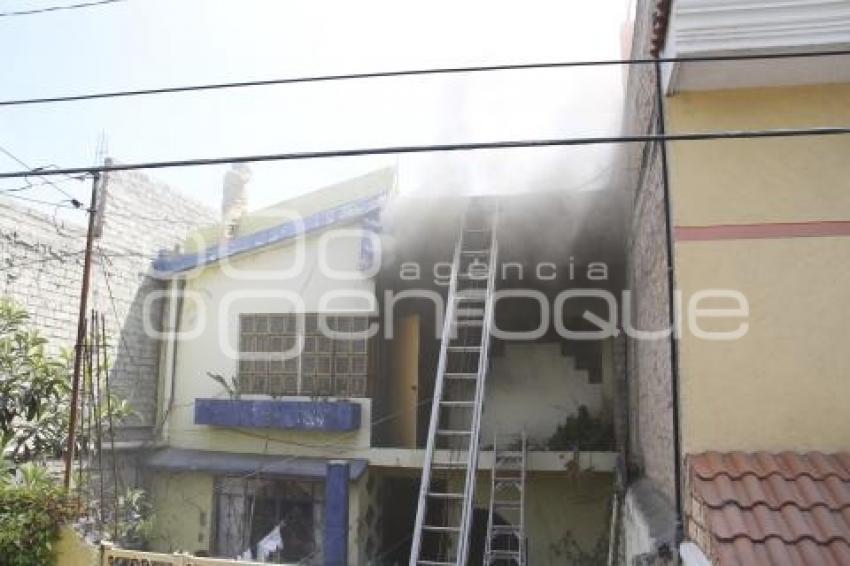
x=321, y=320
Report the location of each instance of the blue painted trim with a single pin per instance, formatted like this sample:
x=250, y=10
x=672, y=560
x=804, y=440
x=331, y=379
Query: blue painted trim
x=164, y=265
x=323, y=416
x=336, y=514
x=241, y=464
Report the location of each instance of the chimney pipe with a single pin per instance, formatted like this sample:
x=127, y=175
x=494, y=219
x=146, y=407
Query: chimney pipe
x=234, y=198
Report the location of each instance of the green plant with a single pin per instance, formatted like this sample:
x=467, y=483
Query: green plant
x=231, y=388
x=567, y=550
x=135, y=520
x=34, y=390
x=583, y=432
x=32, y=508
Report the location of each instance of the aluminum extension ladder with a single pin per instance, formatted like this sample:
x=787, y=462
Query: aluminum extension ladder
x=506, y=543
x=445, y=509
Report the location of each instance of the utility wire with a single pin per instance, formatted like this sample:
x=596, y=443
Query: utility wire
x=59, y=204
x=416, y=72
x=389, y=150
x=37, y=173
x=57, y=8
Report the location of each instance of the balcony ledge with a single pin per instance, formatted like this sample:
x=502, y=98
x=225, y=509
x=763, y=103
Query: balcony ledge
x=306, y=415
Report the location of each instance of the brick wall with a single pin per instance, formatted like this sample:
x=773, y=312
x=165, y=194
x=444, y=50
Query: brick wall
x=41, y=261
x=649, y=371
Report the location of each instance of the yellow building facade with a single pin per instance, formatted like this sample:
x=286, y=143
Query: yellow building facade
x=769, y=218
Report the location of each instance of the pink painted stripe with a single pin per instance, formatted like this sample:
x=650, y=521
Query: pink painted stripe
x=814, y=229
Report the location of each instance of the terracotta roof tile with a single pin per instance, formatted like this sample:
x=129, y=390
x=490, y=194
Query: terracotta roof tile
x=772, y=509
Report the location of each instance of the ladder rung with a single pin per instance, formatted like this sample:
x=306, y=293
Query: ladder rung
x=470, y=312
x=435, y=563
x=475, y=252
x=449, y=466
x=458, y=403
x=507, y=504
x=460, y=375
x=437, y=495
x=448, y=432
x=469, y=323
x=504, y=554
x=505, y=529
x=440, y=529
x=464, y=348
x=476, y=230
x=470, y=295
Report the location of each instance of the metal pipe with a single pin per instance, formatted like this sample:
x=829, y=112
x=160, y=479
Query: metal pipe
x=81, y=334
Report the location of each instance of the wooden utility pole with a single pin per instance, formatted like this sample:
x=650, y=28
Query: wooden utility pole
x=79, y=347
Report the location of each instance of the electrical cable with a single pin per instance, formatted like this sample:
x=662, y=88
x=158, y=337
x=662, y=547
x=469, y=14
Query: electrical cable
x=57, y=8
x=469, y=146
x=37, y=173
x=59, y=204
x=418, y=72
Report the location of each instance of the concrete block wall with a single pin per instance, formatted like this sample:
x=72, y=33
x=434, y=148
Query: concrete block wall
x=42, y=259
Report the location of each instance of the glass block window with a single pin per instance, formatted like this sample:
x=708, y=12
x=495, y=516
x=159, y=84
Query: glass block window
x=328, y=364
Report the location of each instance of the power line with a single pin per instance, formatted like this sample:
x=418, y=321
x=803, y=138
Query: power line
x=27, y=187
x=37, y=173
x=415, y=72
x=389, y=150
x=57, y=8
x=59, y=204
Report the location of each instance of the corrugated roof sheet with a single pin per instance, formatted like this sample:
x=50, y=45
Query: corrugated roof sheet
x=771, y=509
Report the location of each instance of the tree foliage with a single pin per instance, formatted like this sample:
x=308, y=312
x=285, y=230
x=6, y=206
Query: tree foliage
x=34, y=390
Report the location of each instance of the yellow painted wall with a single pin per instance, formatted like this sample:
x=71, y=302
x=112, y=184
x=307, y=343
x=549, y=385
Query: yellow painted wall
x=184, y=515
x=557, y=503
x=183, y=508
x=784, y=386
x=71, y=550
x=760, y=180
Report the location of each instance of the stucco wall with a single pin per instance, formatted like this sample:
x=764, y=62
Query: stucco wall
x=183, y=511
x=184, y=507
x=784, y=385
x=534, y=387
x=72, y=550
x=213, y=348
x=557, y=504
x=760, y=180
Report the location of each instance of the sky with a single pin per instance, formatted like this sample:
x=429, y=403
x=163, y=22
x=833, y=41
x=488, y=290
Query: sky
x=152, y=43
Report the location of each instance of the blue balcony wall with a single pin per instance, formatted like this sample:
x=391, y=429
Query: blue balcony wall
x=323, y=416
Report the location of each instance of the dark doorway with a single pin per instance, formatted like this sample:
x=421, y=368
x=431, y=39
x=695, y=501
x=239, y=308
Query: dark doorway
x=478, y=536
x=401, y=496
